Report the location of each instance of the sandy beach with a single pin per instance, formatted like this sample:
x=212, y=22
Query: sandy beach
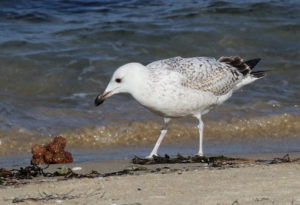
x=192, y=183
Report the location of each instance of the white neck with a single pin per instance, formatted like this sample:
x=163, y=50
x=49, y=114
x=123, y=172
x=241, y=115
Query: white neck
x=138, y=82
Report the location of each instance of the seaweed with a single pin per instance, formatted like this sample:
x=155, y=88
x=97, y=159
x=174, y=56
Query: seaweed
x=27, y=172
x=17, y=176
x=58, y=197
x=94, y=172
x=212, y=162
x=285, y=159
x=181, y=159
x=12, y=177
x=5, y=173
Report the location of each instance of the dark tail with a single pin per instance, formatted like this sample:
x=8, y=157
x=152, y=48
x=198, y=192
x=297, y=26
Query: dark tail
x=252, y=63
x=244, y=67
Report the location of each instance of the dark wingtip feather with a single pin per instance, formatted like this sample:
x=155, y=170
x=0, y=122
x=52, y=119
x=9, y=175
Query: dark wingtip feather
x=237, y=62
x=258, y=74
x=242, y=66
x=252, y=63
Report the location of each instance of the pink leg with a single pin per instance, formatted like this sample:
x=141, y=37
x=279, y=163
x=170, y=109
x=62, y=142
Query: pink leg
x=200, y=128
x=163, y=132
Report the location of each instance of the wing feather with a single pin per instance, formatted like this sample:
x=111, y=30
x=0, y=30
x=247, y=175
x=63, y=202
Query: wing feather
x=202, y=73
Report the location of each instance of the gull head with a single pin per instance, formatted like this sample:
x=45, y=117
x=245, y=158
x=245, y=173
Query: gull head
x=124, y=80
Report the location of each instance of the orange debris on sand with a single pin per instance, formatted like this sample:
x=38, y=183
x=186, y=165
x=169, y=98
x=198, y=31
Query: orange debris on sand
x=52, y=153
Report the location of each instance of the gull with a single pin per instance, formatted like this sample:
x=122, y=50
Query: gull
x=179, y=87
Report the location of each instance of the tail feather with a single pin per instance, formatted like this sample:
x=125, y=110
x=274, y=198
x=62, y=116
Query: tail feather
x=242, y=66
x=258, y=74
x=252, y=63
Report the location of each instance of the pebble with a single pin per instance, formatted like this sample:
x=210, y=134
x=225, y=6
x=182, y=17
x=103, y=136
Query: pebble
x=76, y=168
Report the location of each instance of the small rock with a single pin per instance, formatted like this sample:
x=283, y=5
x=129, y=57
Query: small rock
x=76, y=168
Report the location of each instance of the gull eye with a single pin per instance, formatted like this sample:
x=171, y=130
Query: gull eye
x=118, y=80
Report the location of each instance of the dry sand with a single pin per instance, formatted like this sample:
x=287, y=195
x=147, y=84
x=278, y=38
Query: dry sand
x=251, y=184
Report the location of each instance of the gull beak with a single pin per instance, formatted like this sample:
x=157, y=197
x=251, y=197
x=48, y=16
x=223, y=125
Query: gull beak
x=100, y=98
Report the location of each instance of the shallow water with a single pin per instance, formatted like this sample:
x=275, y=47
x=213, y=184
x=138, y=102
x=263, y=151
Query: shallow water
x=56, y=56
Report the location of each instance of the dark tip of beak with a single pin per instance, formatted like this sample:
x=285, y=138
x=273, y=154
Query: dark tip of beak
x=99, y=100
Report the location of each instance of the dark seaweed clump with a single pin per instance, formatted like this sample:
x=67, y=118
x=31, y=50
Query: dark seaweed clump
x=214, y=160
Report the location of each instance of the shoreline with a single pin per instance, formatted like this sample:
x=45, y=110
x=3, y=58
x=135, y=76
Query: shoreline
x=239, y=183
x=229, y=148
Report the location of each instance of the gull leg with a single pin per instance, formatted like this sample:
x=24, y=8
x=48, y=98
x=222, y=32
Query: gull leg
x=163, y=132
x=200, y=128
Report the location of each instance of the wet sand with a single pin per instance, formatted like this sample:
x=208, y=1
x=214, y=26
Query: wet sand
x=192, y=183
